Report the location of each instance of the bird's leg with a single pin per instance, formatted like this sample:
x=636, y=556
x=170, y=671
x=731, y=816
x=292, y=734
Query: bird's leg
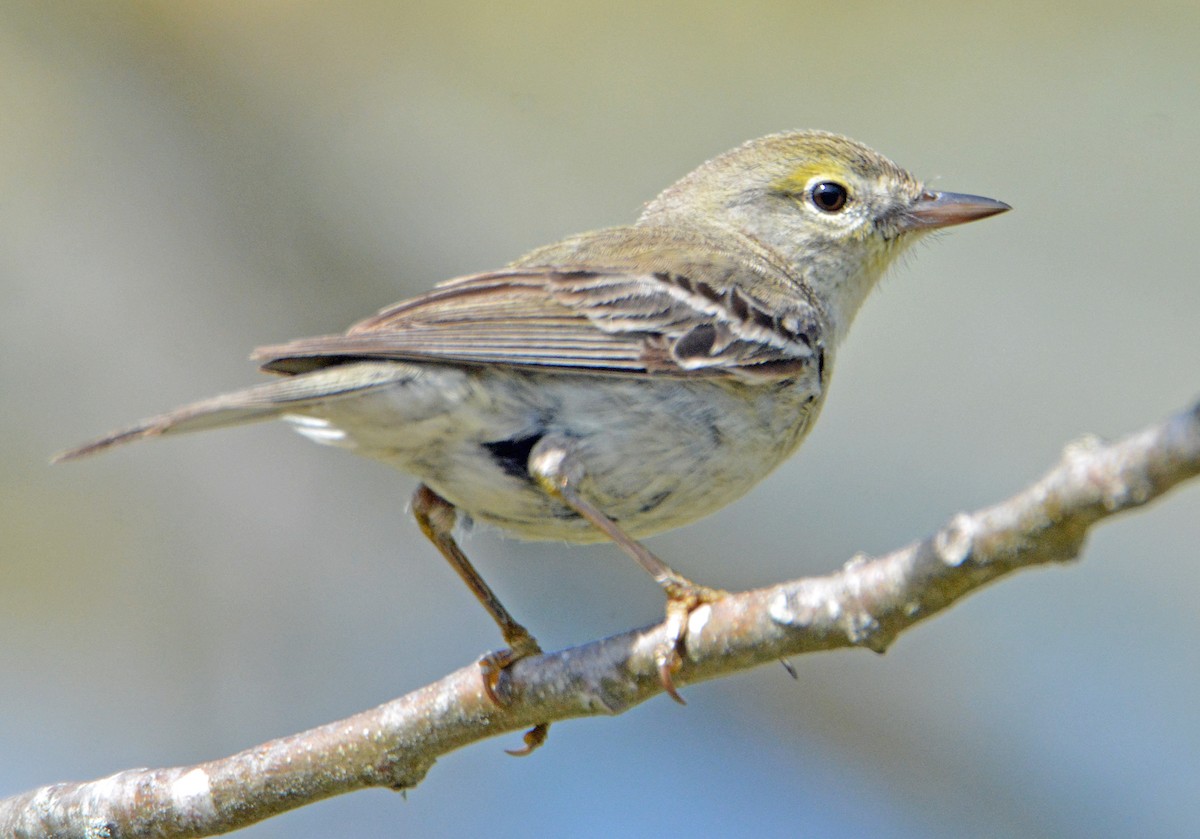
x=559, y=472
x=436, y=517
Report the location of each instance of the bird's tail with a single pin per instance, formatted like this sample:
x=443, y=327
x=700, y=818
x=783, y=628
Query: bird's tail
x=253, y=404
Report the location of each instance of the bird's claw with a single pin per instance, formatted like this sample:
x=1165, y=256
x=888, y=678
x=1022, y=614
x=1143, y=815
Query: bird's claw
x=533, y=738
x=683, y=598
x=521, y=645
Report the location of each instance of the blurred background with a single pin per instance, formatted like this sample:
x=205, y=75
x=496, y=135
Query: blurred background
x=180, y=182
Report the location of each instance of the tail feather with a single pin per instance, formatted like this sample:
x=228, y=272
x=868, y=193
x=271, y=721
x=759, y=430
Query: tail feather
x=252, y=404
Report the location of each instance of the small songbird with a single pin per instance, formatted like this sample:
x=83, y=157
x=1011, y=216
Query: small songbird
x=617, y=383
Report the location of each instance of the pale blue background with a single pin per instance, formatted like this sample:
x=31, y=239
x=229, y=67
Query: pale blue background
x=180, y=182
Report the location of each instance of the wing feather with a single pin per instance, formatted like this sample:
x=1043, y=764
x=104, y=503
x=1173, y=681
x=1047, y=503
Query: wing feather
x=596, y=320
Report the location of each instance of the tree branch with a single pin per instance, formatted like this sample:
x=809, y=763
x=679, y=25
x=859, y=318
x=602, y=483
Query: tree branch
x=867, y=603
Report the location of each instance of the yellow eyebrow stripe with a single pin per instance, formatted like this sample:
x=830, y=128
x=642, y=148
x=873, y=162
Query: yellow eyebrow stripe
x=798, y=179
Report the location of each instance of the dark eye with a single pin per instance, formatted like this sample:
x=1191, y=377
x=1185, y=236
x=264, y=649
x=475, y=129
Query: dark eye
x=829, y=196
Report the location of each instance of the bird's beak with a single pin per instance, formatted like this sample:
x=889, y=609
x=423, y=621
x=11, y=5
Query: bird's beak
x=942, y=209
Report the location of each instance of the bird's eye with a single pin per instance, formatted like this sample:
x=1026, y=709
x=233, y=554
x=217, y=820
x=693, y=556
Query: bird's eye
x=829, y=196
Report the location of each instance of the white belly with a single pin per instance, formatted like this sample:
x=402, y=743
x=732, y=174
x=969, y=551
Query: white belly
x=658, y=452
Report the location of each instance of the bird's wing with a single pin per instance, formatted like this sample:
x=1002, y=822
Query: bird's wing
x=582, y=320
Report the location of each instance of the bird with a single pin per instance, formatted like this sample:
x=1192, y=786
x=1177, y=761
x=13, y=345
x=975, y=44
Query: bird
x=617, y=383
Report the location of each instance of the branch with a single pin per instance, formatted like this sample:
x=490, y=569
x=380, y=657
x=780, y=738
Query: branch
x=867, y=603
